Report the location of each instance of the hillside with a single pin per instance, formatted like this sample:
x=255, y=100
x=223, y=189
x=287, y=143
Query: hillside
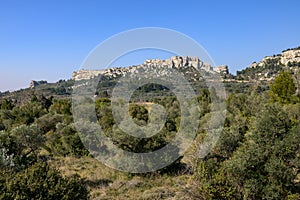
x=257, y=75
x=267, y=69
x=245, y=146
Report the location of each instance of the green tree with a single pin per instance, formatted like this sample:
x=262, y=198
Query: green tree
x=262, y=167
x=7, y=105
x=28, y=113
x=65, y=141
x=139, y=114
x=283, y=88
x=27, y=140
x=61, y=106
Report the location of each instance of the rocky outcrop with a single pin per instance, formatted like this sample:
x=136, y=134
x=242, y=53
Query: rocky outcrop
x=290, y=56
x=178, y=61
x=269, y=67
x=86, y=74
x=33, y=83
x=223, y=69
x=173, y=62
x=286, y=57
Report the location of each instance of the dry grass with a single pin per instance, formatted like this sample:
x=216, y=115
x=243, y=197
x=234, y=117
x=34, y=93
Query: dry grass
x=106, y=183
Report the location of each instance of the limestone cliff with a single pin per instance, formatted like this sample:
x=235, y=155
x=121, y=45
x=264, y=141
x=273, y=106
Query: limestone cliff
x=173, y=62
x=33, y=83
x=286, y=57
x=269, y=67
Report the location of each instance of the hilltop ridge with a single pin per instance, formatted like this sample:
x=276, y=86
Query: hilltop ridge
x=258, y=73
x=177, y=62
x=269, y=67
x=265, y=70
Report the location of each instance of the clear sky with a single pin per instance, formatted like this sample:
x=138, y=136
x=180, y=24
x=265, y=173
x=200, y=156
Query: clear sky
x=48, y=40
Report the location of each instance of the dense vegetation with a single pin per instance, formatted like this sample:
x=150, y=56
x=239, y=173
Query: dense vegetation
x=256, y=157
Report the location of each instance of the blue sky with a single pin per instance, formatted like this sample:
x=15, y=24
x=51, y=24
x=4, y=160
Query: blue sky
x=48, y=40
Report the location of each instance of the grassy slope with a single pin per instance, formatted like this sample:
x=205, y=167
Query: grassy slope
x=106, y=183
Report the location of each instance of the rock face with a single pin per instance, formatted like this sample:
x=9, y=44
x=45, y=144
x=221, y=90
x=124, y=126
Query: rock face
x=33, y=83
x=173, y=62
x=178, y=61
x=223, y=69
x=290, y=56
x=269, y=67
x=287, y=56
x=86, y=74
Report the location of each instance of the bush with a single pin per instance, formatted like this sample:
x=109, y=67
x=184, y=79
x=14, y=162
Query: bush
x=40, y=181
